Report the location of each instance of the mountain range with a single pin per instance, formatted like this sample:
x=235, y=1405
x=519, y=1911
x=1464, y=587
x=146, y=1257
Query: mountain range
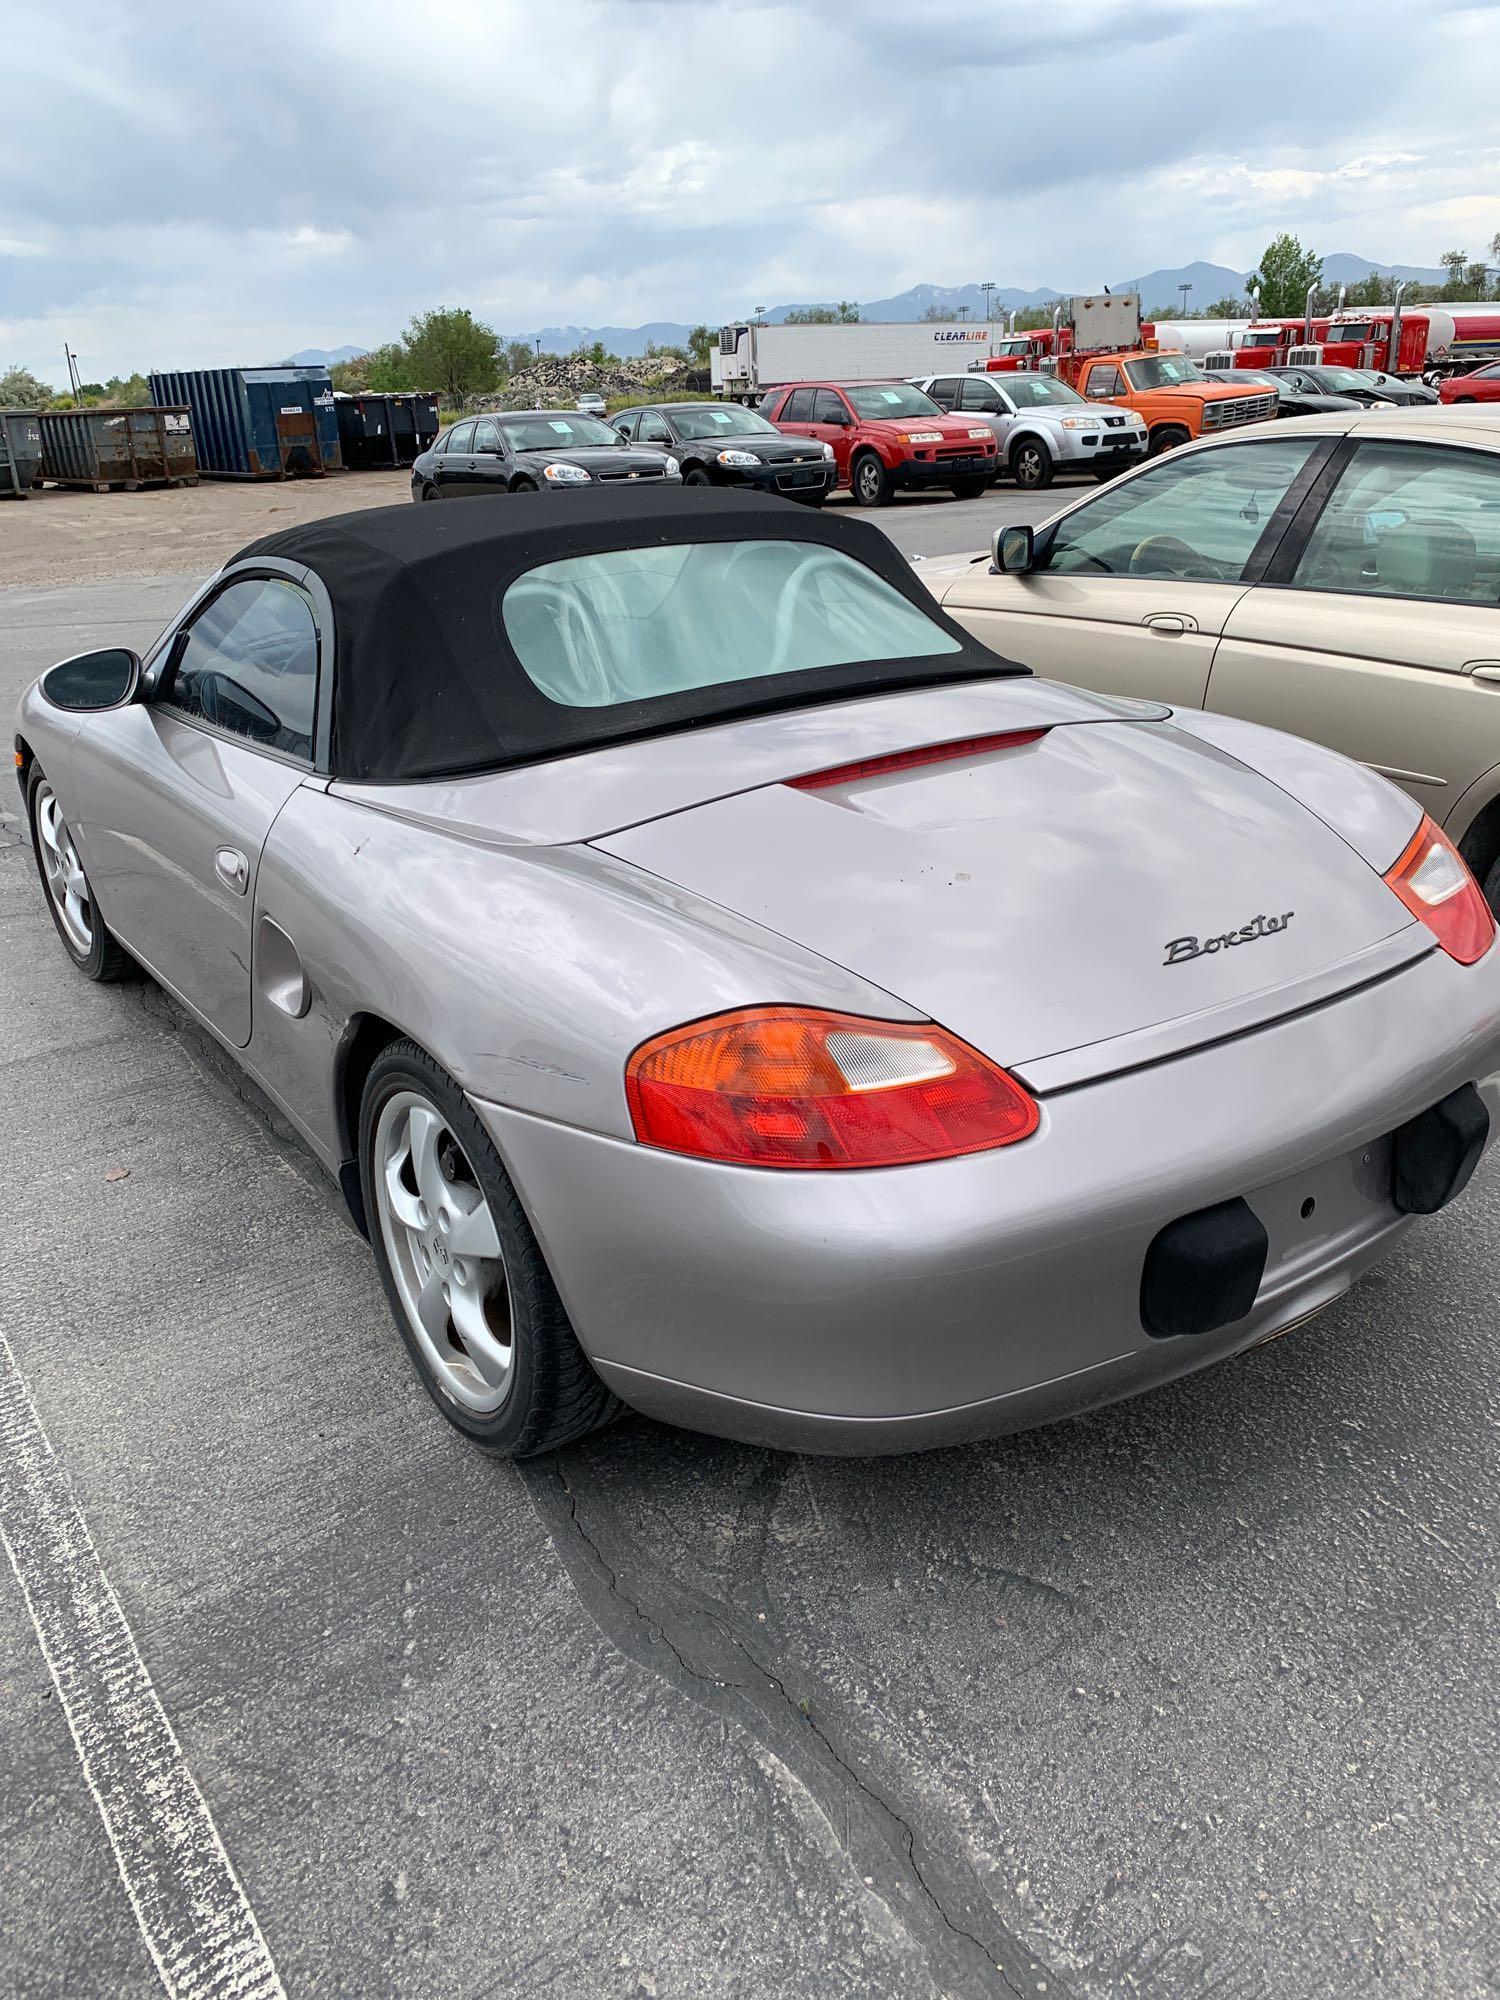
x=1206, y=283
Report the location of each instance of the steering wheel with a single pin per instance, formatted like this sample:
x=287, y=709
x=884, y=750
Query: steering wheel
x=1165, y=555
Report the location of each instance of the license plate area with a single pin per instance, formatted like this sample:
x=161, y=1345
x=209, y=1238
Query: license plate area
x=1316, y=1216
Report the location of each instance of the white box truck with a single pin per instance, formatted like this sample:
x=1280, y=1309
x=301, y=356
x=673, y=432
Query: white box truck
x=751, y=359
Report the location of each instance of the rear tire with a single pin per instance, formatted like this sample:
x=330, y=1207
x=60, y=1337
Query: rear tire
x=492, y=1344
x=1031, y=465
x=1167, y=438
x=872, y=483
x=427, y=493
x=969, y=489
x=86, y=938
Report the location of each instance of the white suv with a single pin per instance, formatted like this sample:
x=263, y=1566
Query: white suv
x=1042, y=426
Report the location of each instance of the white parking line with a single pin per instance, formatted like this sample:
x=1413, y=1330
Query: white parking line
x=199, y=1929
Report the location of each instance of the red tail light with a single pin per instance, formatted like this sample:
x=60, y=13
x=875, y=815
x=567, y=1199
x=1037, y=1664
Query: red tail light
x=908, y=760
x=797, y=1087
x=1434, y=882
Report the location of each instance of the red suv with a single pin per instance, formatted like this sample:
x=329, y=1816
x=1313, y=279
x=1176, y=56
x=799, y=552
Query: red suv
x=887, y=435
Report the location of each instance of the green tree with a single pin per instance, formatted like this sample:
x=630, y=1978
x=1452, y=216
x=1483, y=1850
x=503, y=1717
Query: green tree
x=1224, y=309
x=1286, y=271
x=812, y=316
x=450, y=351
x=1035, y=318
x=934, y=312
x=21, y=390
x=127, y=391
x=701, y=343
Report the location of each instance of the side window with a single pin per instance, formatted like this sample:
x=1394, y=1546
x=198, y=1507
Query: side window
x=461, y=438
x=653, y=430
x=486, y=436
x=250, y=665
x=1410, y=520
x=626, y=422
x=798, y=407
x=944, y=390
x=979, y=395
x=829, y=408
x=1198, y=517
x=1104, y=383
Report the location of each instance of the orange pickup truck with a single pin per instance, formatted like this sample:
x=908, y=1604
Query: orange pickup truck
x=1176, y=398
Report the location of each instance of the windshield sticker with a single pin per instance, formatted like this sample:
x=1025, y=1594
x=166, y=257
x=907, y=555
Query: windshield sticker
x=891, y=395
x=564, y=430
x=720, y=416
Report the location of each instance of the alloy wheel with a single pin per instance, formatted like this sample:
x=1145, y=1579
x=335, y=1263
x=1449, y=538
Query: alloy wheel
x=444, y=1252
x=67, y=884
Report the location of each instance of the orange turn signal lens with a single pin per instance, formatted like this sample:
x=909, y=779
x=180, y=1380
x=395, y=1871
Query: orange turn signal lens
x=798, y=1087
x=1433, y=880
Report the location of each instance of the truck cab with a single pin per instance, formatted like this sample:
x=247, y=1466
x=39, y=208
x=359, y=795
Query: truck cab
x=1175, y=397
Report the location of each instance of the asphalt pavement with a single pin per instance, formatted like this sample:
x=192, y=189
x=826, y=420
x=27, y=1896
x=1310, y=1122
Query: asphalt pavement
x=1192, y=1697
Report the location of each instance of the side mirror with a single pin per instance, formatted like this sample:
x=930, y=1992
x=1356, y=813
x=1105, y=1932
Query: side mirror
x=106, y=679
x=1015, y=550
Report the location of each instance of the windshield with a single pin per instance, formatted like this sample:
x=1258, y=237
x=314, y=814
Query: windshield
x=1338, y=379
x=1162, y=371
x=730, y=421
x=898, y=400
x=560, y=433
x=629, y=625
x=1032, y=392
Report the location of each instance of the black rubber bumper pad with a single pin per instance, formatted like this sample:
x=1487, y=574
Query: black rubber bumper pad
x=1435, y=1153
x=1203, y=1270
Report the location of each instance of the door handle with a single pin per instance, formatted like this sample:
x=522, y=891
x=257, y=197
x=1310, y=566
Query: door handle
x=232, y=869
x=1487, y=671
x=1170, y=621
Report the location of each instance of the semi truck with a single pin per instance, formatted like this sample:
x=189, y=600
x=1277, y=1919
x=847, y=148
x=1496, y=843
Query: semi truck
x=752, y=359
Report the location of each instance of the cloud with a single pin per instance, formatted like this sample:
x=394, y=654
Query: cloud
x=182, y=188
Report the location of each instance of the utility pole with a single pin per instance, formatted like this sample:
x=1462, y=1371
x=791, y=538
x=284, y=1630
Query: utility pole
x=74, y=379
x=1184, y=289
x=988, y=288
x=963, y=312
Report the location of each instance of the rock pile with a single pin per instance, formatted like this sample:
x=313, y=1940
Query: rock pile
x=559, y=380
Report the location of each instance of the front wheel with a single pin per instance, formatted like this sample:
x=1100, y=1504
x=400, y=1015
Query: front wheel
x=696, y=476
x=525, y=486
x=471, y=1293
x=1031, y=465
x=86, y=938
x=1167, y=438
x=969, y=489
x=872, y=482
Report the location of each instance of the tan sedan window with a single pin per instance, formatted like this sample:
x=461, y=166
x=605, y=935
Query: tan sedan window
x=1196, y=517
x=1410, y=520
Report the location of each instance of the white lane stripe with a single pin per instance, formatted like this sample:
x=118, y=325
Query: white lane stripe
x=198, y=1927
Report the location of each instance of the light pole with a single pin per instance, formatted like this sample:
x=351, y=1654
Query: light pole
x=760, y=315
x=988, y=288
x=963, y=312
x=1184, y=288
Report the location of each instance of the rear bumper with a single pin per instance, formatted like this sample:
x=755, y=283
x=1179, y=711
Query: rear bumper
x=896, y=1310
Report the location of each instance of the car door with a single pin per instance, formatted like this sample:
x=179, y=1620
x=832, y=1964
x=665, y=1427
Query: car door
x=184, y=784
x=1377, y=628
x=979, y=397
x=655, y=432
x=1132, y=587
x=489, y=461
x=454, y=468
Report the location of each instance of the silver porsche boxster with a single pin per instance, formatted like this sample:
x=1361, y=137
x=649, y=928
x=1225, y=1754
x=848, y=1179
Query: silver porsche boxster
x=722, y=987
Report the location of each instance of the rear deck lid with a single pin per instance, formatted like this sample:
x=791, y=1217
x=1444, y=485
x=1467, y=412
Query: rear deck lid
x=1107, y=893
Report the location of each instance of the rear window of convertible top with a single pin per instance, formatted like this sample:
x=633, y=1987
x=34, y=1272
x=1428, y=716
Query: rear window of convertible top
x=627, y=625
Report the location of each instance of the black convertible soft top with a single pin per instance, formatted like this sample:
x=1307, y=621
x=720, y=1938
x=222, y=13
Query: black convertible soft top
x=426, y=684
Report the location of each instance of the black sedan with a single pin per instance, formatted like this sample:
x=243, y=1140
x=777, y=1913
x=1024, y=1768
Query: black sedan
x=1362, y=385
x=1293, y=401
x=721, y=444
x=532, y=451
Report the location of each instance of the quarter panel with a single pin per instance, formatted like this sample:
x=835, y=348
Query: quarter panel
x=530, y=975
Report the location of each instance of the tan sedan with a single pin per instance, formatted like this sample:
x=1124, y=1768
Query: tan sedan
x=1338, y=577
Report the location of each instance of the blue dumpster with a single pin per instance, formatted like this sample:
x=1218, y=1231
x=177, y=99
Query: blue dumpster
x=256, y=423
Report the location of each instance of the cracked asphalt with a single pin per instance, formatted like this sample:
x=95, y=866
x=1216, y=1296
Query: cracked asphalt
x=1191, y=1697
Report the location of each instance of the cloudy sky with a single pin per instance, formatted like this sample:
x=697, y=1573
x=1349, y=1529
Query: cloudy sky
x=185, y=184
